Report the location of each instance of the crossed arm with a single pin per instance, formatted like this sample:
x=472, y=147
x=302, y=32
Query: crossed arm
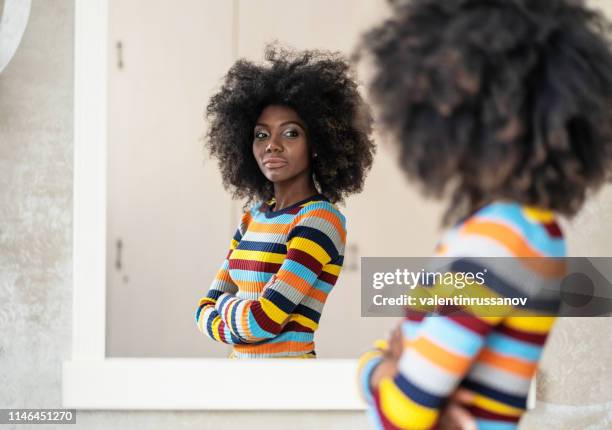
x=315, y=244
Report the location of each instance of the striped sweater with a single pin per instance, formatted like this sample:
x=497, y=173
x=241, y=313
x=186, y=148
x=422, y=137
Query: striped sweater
x=266, y=299
x=492, y=359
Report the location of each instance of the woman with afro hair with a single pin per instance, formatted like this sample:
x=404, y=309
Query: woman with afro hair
x=293, y=137
x=505, y=108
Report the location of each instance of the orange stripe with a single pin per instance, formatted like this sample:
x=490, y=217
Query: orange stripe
x=317, y=295
x=326, y=215
x=223, y=275
x=510, y=364
x=276, y=347
x=550, y=268
x=448, y=360
x=294, y=280
x=269, y=228
x=244, y=321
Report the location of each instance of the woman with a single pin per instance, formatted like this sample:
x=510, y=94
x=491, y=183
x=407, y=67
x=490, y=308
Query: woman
x=506, y=107
x=292, y=135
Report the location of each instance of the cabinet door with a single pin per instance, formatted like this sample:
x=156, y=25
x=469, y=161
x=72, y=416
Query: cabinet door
x=169, y=218
x=389, y=218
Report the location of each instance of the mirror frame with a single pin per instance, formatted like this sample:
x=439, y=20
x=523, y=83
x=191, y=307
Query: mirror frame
x=90, y=380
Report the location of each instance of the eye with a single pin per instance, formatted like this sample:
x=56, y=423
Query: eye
x=259, y=134
x=291, y=133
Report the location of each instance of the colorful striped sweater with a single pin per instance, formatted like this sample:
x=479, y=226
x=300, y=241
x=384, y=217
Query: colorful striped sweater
x=492, y=359
x=267, y=297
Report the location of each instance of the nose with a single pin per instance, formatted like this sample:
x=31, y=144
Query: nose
x=274, y=146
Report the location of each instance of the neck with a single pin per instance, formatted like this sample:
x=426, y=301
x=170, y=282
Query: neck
x=293, y=190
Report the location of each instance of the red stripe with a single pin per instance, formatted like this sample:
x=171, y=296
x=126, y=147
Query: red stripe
x=535, y=338
x=553, y=229
x=328, y=277
x=296, y=326
x=387, y=425
x=304, y=259
x=254, y=266
x=472, y=323
x=414, y=315
x=263, y=320
x=483, y=413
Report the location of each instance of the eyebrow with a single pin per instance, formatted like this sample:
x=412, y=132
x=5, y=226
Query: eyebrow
x=280, y=125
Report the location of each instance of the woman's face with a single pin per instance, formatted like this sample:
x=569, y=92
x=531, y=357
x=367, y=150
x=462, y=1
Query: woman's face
x=280, y=145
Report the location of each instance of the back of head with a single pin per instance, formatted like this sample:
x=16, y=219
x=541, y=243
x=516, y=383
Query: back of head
x=497, y=99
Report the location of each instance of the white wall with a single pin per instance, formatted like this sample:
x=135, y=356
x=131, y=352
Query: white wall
x=35, y=262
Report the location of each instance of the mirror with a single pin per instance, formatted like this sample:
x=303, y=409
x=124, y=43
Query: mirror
x=169, y=219
x=13, y=21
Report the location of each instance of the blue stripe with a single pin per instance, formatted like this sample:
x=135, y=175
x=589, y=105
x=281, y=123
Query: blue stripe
x=509, y=399
x=307, y=312
x=256, y=330
x=233, y=317
x=316, y=236
x=482, y=424
x=444, y=331
x=250, y=275
x=410, y=329
x=209, y=325
x=364, y=378
x=417, y=394
x=282, y=302
x=300, y=270
x=513, y=347
x=533, y=231
x=503, y=288
x=293, y=336
x=323, y=286
x=237, y=235
x=275, y=248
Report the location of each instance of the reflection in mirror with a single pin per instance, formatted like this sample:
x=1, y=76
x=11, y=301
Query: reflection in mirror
x=294, y=135
x=171, y=219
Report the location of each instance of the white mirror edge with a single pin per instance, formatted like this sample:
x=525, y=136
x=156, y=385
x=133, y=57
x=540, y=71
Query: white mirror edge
x=92, y=381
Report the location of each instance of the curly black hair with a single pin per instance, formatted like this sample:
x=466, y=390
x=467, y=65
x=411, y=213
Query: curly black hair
x=496, y=99
x=321, y=88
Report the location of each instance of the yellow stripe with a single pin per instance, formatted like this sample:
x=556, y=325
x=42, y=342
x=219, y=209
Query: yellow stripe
x=310, y=247
x=401, y=410
x=272, y=311
x=495, y=406
x=538, y=214
x=366, y=358
x=306, y=322
x=539, y=325
x=332, y=269
x=268, y=257
x=381, y=344
x=215, y=328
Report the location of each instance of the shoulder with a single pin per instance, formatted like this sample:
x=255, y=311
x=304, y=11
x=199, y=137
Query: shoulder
x=505, y=229
x=321, y=212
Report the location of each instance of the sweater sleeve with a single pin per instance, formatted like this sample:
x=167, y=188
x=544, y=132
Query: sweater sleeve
x=440, y=349
x=315, y=240
x=207, y=318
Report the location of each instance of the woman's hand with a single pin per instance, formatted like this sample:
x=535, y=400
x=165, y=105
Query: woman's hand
x=455, y=415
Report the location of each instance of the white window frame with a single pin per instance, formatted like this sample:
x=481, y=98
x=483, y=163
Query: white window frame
x=90, y=380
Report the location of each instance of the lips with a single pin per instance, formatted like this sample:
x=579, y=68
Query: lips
x=274, y=162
